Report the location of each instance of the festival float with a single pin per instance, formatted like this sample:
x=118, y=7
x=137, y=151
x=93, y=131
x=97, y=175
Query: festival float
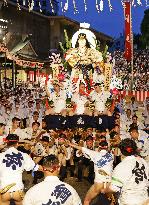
x=86, y=63
x=81, y=62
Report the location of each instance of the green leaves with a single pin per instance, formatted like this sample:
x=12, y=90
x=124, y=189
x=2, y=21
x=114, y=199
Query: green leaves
x=66, y=44
x=105, y=52
x=98, y=46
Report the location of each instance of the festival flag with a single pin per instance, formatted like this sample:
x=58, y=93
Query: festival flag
x=108, y=72
x=128, y=31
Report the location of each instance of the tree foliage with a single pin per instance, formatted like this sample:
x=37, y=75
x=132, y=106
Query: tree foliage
x=137, y=40
x=67, y=43
x=145, y=28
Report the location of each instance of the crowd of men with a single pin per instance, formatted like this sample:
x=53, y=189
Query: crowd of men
x=117, y=160
x=140, y=70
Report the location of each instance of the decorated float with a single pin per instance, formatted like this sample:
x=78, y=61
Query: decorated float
x=82, y=62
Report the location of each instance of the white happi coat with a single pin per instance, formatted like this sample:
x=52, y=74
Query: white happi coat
x=58, y=100
x=103, y=162
x=20, y=132
x=80, y=101
x=125, y=122
x=100, y=100
x=8, y=118
x=145, y=115
x=130, y=178
x=143, y=145
x=19, y=113
x=52, y=191
x=133, y=107
x=12, y=164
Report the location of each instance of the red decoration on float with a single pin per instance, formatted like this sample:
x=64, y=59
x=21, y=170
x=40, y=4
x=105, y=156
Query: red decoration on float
x=128, y=32
x=115, y=91
x=129, y=149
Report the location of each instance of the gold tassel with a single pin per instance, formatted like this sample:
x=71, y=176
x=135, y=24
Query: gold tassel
x=111, y=198
x=6, y=188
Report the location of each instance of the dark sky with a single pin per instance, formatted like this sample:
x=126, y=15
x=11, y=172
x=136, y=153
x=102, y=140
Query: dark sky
x=111, y=23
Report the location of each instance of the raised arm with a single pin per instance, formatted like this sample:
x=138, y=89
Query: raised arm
x=47, y=91
x=75, y=146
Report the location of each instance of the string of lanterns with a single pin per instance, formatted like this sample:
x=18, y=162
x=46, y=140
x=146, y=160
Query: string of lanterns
x=99, y=5
x=64, y=5
x=85, y=5
x=52, y=7
x=75, y=7
x=147, y=3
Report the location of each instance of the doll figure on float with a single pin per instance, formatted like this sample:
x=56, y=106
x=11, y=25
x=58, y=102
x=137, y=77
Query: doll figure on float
x=83, y=56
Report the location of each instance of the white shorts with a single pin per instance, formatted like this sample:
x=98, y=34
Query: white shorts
x=59, y=106
x=80, y=110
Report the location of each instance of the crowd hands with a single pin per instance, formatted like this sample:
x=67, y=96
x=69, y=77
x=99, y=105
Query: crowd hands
x=122, y=69
x=117, y=159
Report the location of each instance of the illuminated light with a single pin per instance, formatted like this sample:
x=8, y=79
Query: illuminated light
x=75, y=7
x=122, y=4
x=61, y=5
x=31, y=5
x=85, y=5
x=52, y=6
x=3, y=20
x=101, y=5
x=97, y=6
x=18, y=5
x=66, y=5
x=110, y=5
x=147, y=3
x=40, y=6
x=133, y=3
x=139, y=2
x=5, y=3
x=24, y=2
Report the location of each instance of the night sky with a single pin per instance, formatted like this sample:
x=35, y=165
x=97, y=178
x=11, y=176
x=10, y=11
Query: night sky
x=111, y=23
